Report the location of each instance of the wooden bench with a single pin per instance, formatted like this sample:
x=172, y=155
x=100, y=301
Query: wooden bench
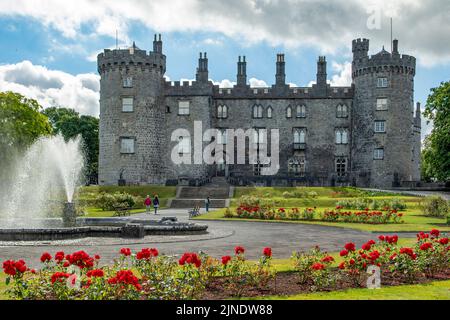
x=195, y=212
x=122, y=211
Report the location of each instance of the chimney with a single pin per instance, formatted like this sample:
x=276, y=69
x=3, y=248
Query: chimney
x=280, y=77
x=242, y=72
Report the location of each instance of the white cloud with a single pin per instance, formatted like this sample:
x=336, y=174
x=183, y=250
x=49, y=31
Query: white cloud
x=327, y=25
x=224, y=83
x=51, y=87
x=256, y=83
x=344, y=76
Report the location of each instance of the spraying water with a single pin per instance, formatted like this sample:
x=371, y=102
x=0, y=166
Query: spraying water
x=43, y=180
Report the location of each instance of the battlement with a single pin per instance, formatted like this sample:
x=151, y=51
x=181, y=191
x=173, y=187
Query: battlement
x=109, y=60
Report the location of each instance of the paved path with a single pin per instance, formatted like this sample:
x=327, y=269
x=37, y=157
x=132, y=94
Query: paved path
x=419, y=193
x=284, y=238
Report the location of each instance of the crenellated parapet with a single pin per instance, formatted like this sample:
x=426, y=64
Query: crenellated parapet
x=112, y=60
x=381, y=62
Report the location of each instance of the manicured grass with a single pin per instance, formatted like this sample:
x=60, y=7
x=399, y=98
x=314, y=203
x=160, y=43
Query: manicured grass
x=438, y=290
x=99, y=213
x=3, y=296
x=413, y=218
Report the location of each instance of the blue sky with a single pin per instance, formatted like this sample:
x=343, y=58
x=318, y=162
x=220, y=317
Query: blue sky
x=48, y=47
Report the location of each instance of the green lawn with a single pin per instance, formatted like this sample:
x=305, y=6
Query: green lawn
x=326, y=198
x=438, y=290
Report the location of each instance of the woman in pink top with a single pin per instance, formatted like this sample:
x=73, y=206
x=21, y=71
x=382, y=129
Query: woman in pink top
x=148, y=204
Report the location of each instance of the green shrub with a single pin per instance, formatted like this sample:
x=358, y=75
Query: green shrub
x=108, y=202
x=435, y=207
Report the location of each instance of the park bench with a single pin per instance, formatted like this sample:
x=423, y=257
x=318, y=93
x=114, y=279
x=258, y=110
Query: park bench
x=195, y=212
x=121, y=211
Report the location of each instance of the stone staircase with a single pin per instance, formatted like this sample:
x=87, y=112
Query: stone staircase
x=218, y=190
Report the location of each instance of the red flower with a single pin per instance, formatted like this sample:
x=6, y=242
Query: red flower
x=59, y=277
x=341, y=265
x=97, y=257
x=392, y=257
x=147, y=253
x=59, y=257
x=80, y=259
x=426, y=246
x=239, y=250
x=66, y=264
x=409, y=252
x=267, y=252
x=435, y=233
x=125, y=277
x=190, y=258
x=366, y=246
x=318, y=266
x=443, y=241
x=125, y=251
x=95, y=273
x=381, y=238
x=225, y=260
x=46, y=257
x=352, y=261
x=328, y=259
x=343, y=253
x=350, y=246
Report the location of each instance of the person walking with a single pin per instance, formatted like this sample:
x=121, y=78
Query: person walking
x=207, y=203
x=148, y=204
x=156, y=204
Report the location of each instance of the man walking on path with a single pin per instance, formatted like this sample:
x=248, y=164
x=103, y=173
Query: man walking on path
x=148, y=204
x=207, y=203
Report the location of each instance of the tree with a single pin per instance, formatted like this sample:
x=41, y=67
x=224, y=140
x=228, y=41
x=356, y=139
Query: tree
x=436, y=154
x=70, y=124
x=21, y=123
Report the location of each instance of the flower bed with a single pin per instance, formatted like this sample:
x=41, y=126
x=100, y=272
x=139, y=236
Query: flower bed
x=148, y=275
x=367, y=216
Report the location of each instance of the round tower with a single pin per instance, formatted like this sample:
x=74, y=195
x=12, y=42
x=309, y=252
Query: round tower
x=132, y=115
x=383, y=151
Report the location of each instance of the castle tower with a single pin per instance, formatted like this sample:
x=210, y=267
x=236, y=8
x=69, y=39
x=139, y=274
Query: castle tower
x=384, y=150
x=322, y=73
x=132, y=115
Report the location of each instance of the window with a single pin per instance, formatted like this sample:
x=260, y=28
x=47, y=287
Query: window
x=289, y=112
x=255, y=91
x=341, y=136
x=295, y=91
x=183, y=108
x=266, y=91
x=341, y=166
x=299, y=135
x=269, y=112
x=222, y=137
x=257, y=111
x=297, y=166
x=127, y=145
x=184, y=145
x=382, y=83
x=341, y=111
x=382, y=104
x=127, y=104
x=128, y=82
x=229, y=91
x=222, y=111
x=220, y=91
x=378, y=154
x=301, y=111
x=380, y=126
x=259, y=135
x=257, y=168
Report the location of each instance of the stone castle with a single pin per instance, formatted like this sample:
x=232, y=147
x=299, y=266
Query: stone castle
x=365, y=135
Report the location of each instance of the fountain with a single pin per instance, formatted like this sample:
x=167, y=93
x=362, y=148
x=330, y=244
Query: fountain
x=39, y=204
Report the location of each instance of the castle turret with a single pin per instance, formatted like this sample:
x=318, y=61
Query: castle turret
x=241, y=72
x=202, y=70
x=280, y=77
x=157, y=45
x=131, y=115
x=383, y=117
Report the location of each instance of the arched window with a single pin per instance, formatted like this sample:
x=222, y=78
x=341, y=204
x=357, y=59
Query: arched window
x=257, y=111
x=289, y=112
x=301, y=111
x=222, y=111
x=269, y=112
x=300, y=136
x=342, y=111
x=341, y=136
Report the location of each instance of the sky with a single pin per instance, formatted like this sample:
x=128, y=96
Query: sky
x=48, y=48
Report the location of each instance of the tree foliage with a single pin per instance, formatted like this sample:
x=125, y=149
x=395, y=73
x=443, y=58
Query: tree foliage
x=70, y=124
x=436, y=153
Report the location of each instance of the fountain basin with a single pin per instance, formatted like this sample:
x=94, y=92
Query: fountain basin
x=104, y=227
